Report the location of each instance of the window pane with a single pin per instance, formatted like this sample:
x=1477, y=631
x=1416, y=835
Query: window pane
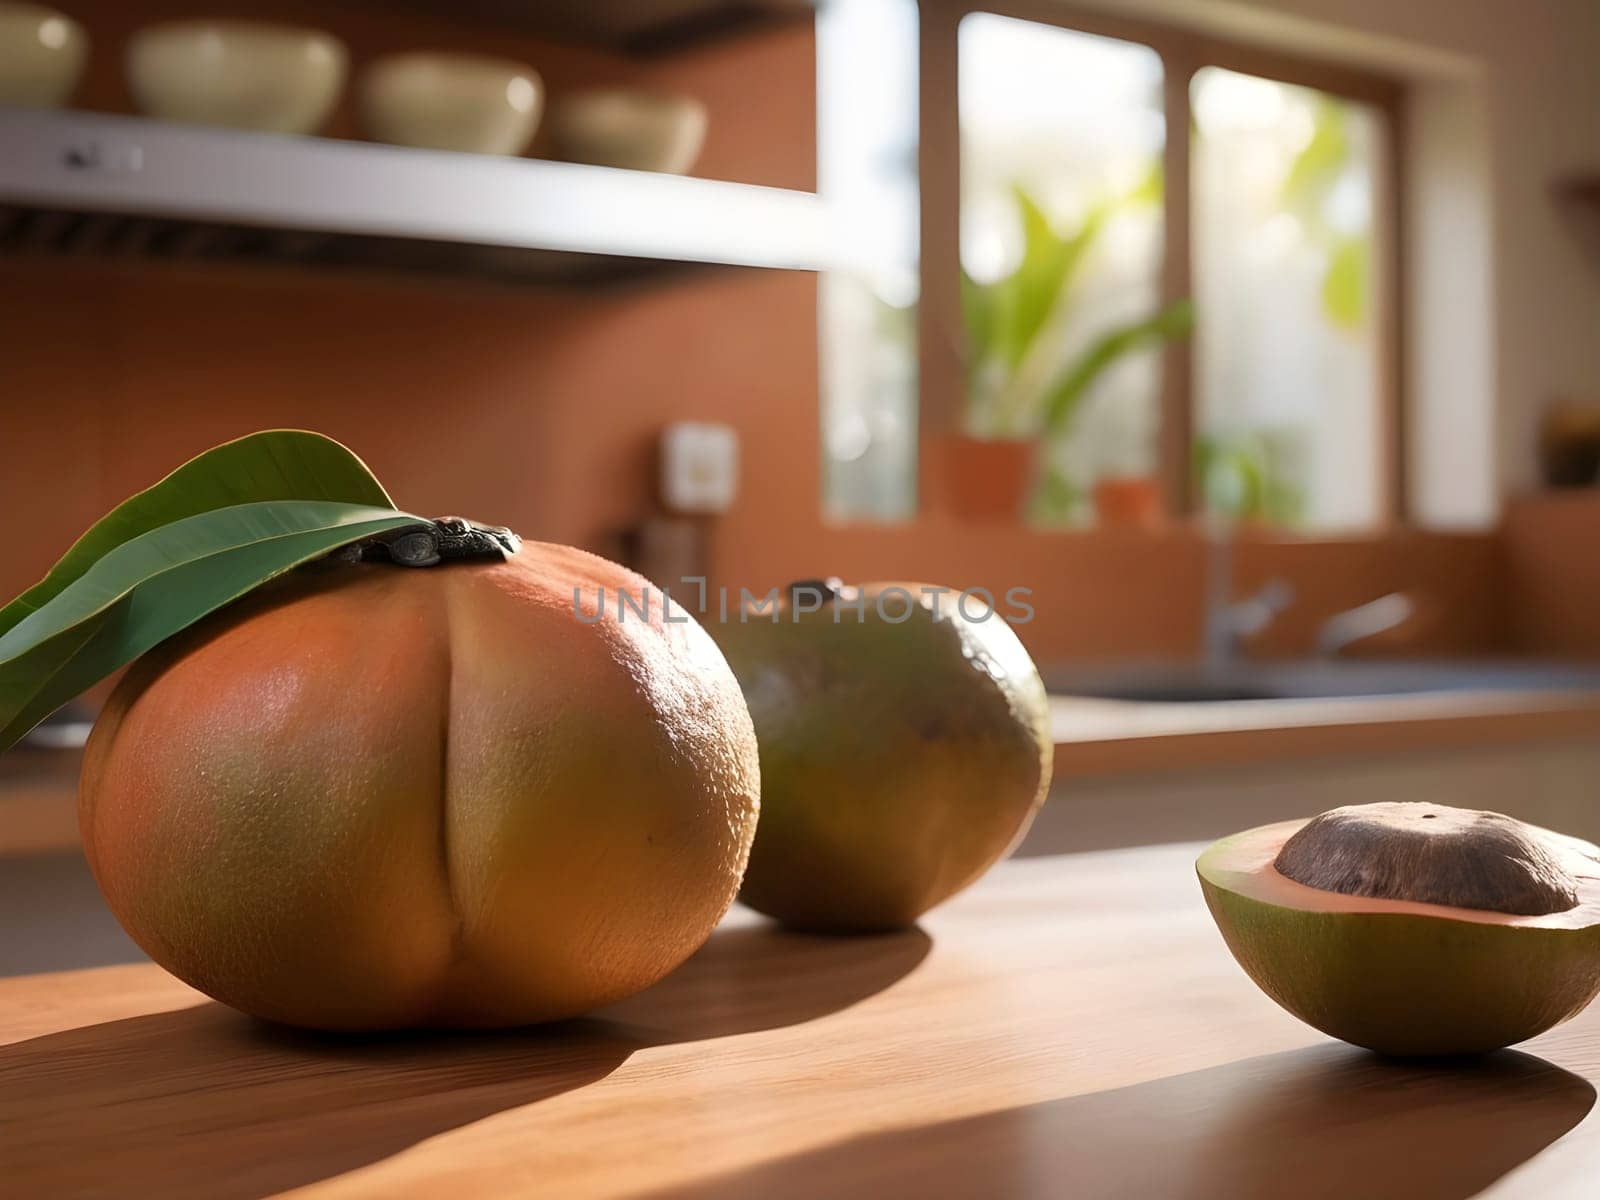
x=1287, y=369
x=1061, y=145
x=867, y=177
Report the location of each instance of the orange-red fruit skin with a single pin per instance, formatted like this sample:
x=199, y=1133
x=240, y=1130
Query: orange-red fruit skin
x=372, y=797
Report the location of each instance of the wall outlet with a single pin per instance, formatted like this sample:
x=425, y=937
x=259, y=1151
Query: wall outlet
x=699, y=467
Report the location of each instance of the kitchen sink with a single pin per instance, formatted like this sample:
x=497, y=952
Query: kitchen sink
x=1314, y=679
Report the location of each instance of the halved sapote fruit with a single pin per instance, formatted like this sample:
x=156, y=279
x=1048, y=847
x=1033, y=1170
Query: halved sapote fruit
x=1412, y=929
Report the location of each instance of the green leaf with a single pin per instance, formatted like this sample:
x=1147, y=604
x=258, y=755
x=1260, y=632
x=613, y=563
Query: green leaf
x=1243, y=475
x=279, y=464
x=1151, y=188
x=1057, y=498
x=1236, y=484
x=1004, y=319
x=1344, y=285
x=1025, y=298
x=1321, y=160
x=1061, y=403
x=1080, y=243
x=153, y=585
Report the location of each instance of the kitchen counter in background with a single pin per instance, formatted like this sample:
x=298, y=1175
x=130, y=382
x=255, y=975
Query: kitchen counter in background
x=1071, y=1026
x=1132, y=772
x=1097, y=737
x=38, y=799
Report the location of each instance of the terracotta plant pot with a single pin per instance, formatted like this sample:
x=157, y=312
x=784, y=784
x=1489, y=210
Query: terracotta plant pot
x=979, y=478
x=1128, y=501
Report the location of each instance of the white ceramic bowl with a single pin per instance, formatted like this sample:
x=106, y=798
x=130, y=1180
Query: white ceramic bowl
x=621, y=127
x=42, y=53
x=452, y=102
x=238, y=74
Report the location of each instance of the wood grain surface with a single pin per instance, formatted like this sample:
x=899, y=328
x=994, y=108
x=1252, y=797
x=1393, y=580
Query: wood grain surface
x=1071, y=1027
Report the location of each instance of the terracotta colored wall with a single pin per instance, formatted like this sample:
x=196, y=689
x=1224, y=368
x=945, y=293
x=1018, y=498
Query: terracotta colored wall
x=1552, y=568
x=1112, y=595
x=540, y=407
x=534, y=407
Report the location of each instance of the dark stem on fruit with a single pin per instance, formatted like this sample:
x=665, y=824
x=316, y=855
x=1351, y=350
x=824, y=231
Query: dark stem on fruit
x=824, y=590
x=448, y=539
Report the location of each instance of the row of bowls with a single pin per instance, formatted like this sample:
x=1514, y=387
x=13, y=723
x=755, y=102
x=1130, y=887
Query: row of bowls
x=283, y=79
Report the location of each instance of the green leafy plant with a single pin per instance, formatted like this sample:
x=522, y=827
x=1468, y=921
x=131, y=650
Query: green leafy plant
x=1306, y=191
x=219, y=526
x=1020, y=381
x=1256, y=474
x=1247, y=477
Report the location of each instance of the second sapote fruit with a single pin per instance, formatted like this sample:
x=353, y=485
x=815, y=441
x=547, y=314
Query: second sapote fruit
x=1413, y=929
x=905, y=746
x=366, y=796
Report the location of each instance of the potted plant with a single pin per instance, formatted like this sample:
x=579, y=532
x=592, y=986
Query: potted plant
x=1026, y=385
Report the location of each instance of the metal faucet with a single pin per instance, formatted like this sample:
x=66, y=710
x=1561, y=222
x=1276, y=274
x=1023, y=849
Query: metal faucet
x=1227, y=621
x=1363, y=621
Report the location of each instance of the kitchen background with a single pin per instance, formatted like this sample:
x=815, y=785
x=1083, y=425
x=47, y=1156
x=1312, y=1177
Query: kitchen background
x=1200, y=394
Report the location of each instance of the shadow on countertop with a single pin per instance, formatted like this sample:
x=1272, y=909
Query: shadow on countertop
x=1328, y=1122
x=204, y=1102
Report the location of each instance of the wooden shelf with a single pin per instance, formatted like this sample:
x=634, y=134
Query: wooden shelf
x=89, y=183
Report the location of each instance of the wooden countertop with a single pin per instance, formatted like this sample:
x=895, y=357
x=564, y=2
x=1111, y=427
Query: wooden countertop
x=1112, y=737
x=1072, y=1026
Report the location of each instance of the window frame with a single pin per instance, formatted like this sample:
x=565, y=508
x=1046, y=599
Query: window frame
x=941, y=335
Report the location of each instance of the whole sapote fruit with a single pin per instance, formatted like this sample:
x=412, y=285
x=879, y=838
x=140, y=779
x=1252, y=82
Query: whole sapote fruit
x=370, y=797
x=905, y=747
x=1413, y=929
